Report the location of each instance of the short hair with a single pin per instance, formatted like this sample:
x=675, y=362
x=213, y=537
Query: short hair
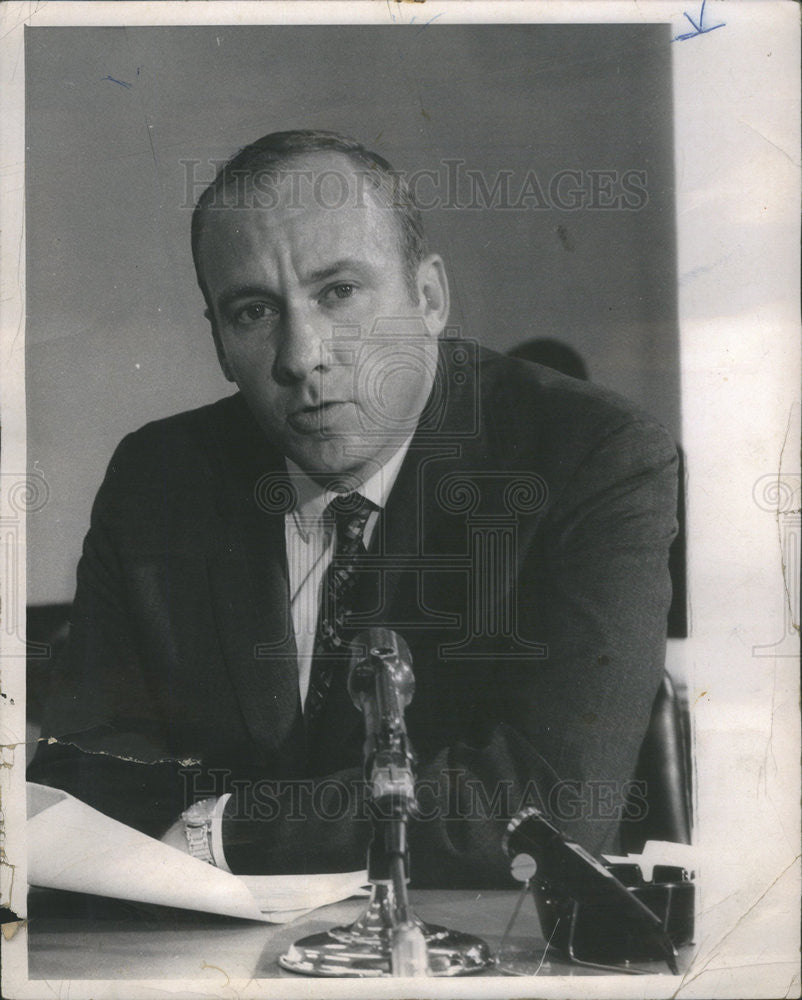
x=275, y=150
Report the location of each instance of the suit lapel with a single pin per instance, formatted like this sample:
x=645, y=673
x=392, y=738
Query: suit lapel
x=247, y=572
x=419, y=521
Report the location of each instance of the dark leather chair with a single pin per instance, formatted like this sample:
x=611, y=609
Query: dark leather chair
x=664, y=767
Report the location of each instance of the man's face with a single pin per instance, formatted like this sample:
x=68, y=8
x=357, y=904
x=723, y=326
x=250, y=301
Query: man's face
x=314, y=320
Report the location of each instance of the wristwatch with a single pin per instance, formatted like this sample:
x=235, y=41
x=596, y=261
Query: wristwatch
x=198, y=828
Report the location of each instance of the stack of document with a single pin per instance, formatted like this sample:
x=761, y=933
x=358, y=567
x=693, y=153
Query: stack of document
x=72, y=846
x=657, y=852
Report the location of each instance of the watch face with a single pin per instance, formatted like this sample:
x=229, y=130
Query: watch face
x=197, y=814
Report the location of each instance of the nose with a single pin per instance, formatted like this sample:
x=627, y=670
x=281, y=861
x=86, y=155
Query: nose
x=301, y=347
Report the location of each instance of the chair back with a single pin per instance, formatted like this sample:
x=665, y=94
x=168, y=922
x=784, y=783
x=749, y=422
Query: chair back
x=664, y=766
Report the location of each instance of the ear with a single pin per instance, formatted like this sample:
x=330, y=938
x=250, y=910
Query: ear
x=221, y=354
x=433, y=295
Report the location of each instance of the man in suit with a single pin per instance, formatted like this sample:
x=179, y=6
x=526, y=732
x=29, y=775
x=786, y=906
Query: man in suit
x=512, y=524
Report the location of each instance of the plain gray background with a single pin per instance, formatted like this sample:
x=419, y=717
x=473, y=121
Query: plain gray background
x=115, y=333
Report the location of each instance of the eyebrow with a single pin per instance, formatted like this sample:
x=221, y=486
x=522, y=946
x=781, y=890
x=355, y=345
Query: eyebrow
x=345, y=264
x=244, y=292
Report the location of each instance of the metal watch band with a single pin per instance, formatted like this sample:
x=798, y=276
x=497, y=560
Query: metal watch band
x=198, y=828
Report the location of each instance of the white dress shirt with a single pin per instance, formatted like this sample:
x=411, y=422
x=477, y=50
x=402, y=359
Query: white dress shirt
x=309, y=536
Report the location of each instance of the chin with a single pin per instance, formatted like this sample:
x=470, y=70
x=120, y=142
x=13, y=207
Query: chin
x=323, y=457
x=340, y=456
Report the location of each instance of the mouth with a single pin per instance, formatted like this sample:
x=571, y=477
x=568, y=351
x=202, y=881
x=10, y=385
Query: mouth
x=314, y=419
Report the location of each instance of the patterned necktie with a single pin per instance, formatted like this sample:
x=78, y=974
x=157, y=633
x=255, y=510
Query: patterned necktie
x=351, y=512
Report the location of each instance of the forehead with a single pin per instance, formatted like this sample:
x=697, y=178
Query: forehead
x=312, y=207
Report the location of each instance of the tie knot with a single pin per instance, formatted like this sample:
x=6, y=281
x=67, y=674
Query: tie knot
x=351, y=512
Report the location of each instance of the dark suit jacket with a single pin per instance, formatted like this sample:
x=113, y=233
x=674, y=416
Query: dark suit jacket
x=522, y=554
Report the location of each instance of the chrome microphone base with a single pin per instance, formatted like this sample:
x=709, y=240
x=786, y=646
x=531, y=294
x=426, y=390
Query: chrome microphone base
x=364, y=949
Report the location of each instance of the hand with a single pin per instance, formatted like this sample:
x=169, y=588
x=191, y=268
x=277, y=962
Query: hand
x=176, y=837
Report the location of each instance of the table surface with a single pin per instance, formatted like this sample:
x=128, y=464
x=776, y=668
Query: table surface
x=84, y=937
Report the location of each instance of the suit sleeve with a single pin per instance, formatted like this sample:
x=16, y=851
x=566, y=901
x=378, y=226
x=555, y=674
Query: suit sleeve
x=564, y=731
x=561, y=732
x=102, y=738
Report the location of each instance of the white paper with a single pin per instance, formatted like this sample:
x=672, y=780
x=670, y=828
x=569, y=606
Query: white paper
x=72, y=846
x=657, y=852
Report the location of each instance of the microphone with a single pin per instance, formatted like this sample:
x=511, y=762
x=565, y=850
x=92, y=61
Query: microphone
x=381, y=685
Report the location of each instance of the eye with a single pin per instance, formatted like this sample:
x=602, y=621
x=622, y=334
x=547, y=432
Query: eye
x=254, y=312
x=342, y=290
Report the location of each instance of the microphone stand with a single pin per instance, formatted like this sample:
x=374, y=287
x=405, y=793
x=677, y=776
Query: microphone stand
x=388, y=939
x=392, y=783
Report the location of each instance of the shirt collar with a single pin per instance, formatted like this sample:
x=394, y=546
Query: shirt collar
x=313, y=500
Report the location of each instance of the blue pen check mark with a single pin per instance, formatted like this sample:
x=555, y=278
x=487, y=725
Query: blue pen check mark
x=698, y=29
